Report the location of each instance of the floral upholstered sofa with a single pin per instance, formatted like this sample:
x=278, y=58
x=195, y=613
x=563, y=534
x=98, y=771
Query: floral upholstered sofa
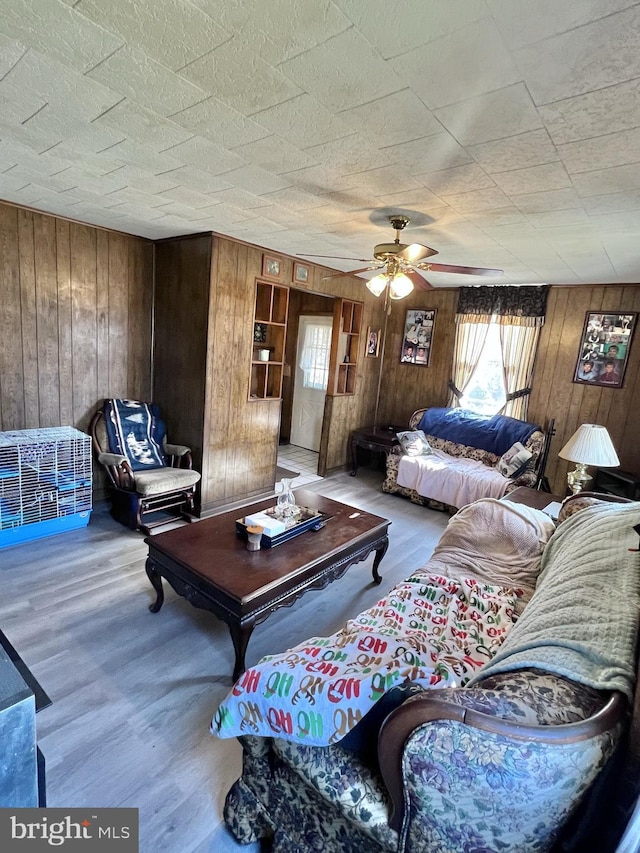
x=471, y=709
x=463, y=461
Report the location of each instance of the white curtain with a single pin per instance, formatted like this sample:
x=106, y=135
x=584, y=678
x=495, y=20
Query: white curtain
x=469, y=343
x=519, y=342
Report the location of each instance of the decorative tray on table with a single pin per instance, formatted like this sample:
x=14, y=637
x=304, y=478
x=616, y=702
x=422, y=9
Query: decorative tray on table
x=303, y=519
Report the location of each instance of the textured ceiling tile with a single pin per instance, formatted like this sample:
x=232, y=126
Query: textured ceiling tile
x=533, y=148
x=168, y=31
x=206, y=155
x=147, y=82
x=187, y=196
x=430, y=154
x=606, y=181
x=57, y=31
x=256, y=180
x=388, y=31
x=10, y=53
x=590, y=155
x=281, y=29
x=343, y=72
x=457, y=180
x=292, y=198
x=74, y=138
x=550, y=200
x=612, y=203
x=240, y=78
x=306, y=120
x=350, y=154
x=219, y=123
x=130, y=152
x=628, y=220
x=595, y=114
x=385, y=180
x=554, y=218
x=477, y=200
x=275, y=154
x=482, y=64
x=38, y=79
x=197, y=179
x=505, y=112
x=143, y=126
x=499, y=216
x=419, y=198
x=240, y=199
x=400, y=117
x=321, y=179
x=581, y=60
x=522, y=22
x=551, y=176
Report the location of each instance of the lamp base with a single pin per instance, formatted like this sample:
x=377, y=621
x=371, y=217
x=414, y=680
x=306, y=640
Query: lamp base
x=579, y=478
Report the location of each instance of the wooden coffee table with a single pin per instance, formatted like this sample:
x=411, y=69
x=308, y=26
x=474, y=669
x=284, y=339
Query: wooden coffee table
x=209, y=564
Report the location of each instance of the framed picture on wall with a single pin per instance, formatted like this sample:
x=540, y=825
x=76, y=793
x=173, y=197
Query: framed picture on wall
x=271, y=267
x=373, y=342
x=604, y=348
x=418, y=335
x=300, y=273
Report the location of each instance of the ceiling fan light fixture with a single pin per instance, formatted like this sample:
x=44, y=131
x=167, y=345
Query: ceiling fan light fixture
x=377, y=284
x=400, y=286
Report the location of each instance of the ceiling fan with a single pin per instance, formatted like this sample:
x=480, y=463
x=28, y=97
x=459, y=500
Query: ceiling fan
x=403, y=265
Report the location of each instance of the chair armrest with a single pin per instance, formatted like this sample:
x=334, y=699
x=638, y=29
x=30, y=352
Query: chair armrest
x=176, y=449
x=410, y=735
x=111, y=459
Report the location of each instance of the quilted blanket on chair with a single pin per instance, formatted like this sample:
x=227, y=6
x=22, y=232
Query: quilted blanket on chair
x=136, y=431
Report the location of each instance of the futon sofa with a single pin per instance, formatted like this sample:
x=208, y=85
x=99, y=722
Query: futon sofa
x=462, y=464
x=471, y=709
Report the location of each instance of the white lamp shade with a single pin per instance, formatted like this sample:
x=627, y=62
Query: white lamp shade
x=591, y=445
x=377, y=284
x=400, y=286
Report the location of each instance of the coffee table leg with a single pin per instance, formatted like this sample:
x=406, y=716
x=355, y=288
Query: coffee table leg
x=380, y=552
x=354, y=458
x=156, y=582
x=240, y=637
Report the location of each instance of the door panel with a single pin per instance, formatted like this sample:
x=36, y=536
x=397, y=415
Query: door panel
x=308, y=402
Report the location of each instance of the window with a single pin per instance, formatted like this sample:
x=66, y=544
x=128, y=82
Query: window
x=315, y=356
x=485, y=392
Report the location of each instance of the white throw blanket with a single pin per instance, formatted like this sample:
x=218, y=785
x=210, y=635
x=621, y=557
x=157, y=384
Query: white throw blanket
x=582, y=621
x=453, y=480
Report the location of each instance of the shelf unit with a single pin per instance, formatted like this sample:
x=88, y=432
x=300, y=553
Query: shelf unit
x=45, y=483
x=271, y=309
x=346, y=347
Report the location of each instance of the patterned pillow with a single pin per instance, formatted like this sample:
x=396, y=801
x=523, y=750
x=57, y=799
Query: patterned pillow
x=515, y=461
x=414, y=442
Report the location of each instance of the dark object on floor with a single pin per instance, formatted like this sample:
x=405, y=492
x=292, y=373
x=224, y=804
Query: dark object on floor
x=285, y=472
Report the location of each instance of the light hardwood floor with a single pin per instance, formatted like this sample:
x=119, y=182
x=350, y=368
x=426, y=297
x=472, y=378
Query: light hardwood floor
x=134, y=692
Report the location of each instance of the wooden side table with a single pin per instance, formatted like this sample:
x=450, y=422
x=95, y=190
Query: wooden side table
x=532, y=497
x=380, y=438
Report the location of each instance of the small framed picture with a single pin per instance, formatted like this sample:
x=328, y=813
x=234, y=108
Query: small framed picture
x=300, y=273
x=271, y=267
x=373, y=343
x=604, y=348
x=418, y=335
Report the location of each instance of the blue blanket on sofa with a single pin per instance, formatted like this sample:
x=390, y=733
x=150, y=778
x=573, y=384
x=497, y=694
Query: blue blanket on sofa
x=493, y=433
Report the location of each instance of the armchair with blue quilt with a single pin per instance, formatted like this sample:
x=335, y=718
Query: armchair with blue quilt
x=146, y=476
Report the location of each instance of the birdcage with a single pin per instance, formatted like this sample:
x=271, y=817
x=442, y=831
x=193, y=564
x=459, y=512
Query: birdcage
x=45, y=483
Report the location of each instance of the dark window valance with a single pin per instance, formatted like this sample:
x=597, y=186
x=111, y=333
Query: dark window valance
x=486, y=302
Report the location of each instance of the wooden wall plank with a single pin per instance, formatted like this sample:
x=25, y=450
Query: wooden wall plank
x=46, y=282
x=12, y=414
x=29, y=319
x=65, y=325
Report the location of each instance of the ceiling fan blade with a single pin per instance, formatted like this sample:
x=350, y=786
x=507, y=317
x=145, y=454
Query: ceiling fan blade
x=335, y=257
x=419, y=282
x=416, y=252
x=462, y=270
x=349, y=272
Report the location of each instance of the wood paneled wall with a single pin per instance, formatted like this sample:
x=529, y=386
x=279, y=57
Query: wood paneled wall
x=554, y=393
x=407, y=387
x=75, y=319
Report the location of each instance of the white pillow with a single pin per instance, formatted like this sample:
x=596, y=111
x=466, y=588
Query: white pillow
x=414, y=442
x=514, y=462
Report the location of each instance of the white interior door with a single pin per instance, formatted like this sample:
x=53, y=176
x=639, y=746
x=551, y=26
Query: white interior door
x=310, y=380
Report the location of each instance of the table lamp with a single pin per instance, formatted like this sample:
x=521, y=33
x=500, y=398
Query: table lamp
x=589, y=445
